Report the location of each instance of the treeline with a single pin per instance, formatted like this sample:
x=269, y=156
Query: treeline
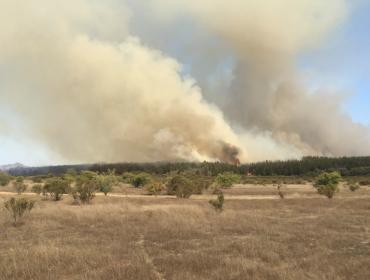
x=307, y=166
x=57, y=170
x=204, y=168
x=312, y=166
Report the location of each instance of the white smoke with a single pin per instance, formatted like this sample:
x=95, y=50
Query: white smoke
x=89, y=98
x=75, y=79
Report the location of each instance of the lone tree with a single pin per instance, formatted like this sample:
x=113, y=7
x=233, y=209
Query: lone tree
x=107, y=181
x=84, y=190
x=19, y=187
x=18, y=207
x=227, y=180
x=141, y=180
x=181, y=187
x=327, y=183
x=56, y=189
x=4, y=179
x=37, y=189
x=219, y=203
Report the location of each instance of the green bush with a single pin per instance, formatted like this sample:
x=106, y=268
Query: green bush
x=106, y=181
x=365, y=182
x=354, y=187
x=4, y=179
x=327, y=183
x=18, y=207
x=56, y=189
x=328, y=190
x=36, y=179
x=180, y=186
x=37, y=189
x=141, y=180
x=218, y=204
x=19, y=187
x=127, y=177
x=328, y=178
x=19, y=179
x=84, y=190
x=201, y=184
x=227, y=180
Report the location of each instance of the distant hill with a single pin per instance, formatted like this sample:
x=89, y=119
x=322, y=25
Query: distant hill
x=16, y=165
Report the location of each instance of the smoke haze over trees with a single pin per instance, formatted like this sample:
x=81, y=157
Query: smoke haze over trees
x=93, y=81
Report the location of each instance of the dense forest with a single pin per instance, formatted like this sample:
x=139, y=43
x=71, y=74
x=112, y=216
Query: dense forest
x=308, y=166
x=57, y=170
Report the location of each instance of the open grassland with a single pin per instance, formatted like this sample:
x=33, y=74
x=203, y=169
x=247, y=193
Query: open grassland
x=304, y=236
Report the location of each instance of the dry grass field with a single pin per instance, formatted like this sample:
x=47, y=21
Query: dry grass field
x=135, y=236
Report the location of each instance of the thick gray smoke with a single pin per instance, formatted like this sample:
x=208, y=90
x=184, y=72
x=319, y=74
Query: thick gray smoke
x=74, y=77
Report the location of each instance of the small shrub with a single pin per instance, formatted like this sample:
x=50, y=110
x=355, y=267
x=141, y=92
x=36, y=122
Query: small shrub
x=155, y=188
x=18, y=207
x=218, y=204
x=84, y=190
x=365, y=182
x=328, y=190
x=141, y=180
x=328, y=178
x=19, y=187
x=281, y=195
x=19, y=179
x=180, y=186
x=327, y=183
x=227, y=179
x=107, y=181
x=37, y=189
x=4, y=179
x=200, y=185
x=127, y=177
x=51, y=175
x=56, y=189
x=36, y=179
x=354, y=187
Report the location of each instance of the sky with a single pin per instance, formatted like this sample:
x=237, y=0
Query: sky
x=340, y=65
x=345, y=64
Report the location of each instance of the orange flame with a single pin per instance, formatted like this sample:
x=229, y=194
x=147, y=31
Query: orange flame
x=238, y=163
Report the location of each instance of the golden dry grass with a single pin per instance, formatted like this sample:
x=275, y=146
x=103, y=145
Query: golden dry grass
x=154, y=238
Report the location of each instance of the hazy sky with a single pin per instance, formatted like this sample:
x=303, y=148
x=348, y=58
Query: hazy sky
x=341, y=65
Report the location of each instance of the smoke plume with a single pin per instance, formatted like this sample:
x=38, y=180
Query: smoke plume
x=267, y=93
x=75, y=78
x=72, y=87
